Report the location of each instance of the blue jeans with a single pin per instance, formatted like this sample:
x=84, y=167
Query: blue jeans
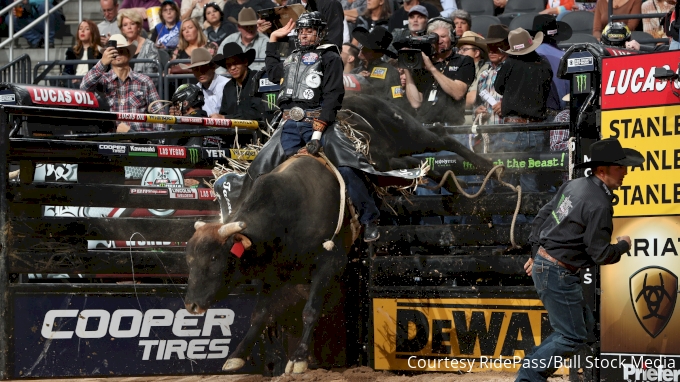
x=570, y=317
x=35, y=34
x=295, y=135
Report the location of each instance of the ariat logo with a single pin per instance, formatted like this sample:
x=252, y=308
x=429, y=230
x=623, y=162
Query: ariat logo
x=193, y=155
x=271, y=100
x=653, y=292
x=581, y=83
x=430, y=162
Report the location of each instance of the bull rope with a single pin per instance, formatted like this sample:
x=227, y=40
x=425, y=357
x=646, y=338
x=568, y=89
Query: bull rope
x=499, y=169
x=329, y=244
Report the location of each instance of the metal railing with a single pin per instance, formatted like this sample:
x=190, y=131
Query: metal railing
x=18, y=71
x=44, y=18
x=66, y=80
x=639, y=16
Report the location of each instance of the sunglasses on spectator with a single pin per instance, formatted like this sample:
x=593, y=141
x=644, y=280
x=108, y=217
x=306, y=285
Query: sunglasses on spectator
x=466, y=49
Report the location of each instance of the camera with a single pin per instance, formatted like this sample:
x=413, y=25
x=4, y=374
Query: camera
x=410, y=47
x=112, y=43
x=279, y=16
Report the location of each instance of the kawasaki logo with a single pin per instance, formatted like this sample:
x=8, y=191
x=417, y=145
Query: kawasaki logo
x=193, y=155
x=581, y=82
x=271, y=100
x=430, y=162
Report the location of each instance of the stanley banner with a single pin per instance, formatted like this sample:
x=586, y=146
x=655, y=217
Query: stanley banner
x=639, y=322
x=466, y=334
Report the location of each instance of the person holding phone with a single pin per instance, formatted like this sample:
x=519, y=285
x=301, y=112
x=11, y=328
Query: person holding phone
x=109, y=26
x=126, y=91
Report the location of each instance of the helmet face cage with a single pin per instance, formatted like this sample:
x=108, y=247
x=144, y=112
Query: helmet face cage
x=310, y=20
x=616, y=34
x=186, y=96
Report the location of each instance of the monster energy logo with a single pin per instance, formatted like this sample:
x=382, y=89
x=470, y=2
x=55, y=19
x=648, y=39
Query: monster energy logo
x=193, y=155
x=430, y=162
x=581, y=82
x=271, y=100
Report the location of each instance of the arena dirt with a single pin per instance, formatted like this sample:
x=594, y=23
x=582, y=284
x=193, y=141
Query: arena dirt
x=355, y=374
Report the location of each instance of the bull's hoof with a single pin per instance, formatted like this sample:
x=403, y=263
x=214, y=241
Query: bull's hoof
x=233, y=364
x=296, y=367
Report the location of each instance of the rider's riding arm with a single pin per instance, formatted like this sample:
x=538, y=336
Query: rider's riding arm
x=273, y=64
x=332, y=90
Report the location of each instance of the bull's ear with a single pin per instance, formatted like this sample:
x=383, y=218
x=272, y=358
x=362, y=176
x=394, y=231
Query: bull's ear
x=243, y=240
x=199, y=224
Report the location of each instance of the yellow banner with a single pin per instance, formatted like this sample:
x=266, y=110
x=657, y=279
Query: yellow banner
x=639, y=293
x=157, y=118
x=243, y=154
x=240, y=123
x=654, y=187
x=456, y=334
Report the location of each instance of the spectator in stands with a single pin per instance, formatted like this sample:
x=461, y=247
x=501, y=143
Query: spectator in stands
x=350, y=58
x=377, y=14
x=462, y=20
x=497, y=42
x=524, y=80
x=621, y=7
x=332, y=15
x=559, y=139
x=652, y=25
x=218, y=29
x=86, y=48
x=401, y=17
x=140, y=7
x=417, y=23
x=238, y=100
x=109, y=26
x=166, y=33
x=130, y=25
x=353, y=8
x=232, y=8
x=212, y=84
x=195, y=9
x=473, y=45
x=126, y=91
x=27, y=12
x=438, y=92
x=248, y=37
x=191, y=38
x=558, y=8
x=382, y=77
x=553, y=32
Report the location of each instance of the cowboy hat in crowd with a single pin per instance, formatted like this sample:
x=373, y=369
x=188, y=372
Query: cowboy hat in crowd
x=121, y=43
x=608, y=152
x=233, y=49
x=474, y=39
x=377, y=40
x=521, y=43
x=199, y=57
x=551, y=28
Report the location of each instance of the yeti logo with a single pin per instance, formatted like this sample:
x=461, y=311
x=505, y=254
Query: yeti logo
x=653, y=292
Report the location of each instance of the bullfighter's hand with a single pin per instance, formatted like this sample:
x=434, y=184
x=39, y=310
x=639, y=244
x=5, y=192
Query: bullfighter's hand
x=314, y=146
x=497, y=108
x=528, y=266
x=427, y=62
x=282, y=32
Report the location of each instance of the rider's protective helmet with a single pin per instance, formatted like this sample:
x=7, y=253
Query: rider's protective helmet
x=615, y=34
x=188, y=95
x=310, y=20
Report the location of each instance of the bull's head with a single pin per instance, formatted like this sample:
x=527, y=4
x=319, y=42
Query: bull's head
x=214, y=258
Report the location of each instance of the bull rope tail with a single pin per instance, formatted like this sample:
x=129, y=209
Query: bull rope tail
x=329, y=244
x=498, y=169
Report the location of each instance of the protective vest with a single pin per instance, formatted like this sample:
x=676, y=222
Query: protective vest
x=302, y=76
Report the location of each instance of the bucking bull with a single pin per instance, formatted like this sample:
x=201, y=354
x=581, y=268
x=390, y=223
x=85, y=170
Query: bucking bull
x=277, y=225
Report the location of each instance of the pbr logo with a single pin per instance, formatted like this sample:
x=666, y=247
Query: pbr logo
x=653, y=292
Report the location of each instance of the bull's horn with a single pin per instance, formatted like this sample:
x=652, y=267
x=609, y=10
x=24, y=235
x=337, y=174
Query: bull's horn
x=231, y=228
x=199, y=224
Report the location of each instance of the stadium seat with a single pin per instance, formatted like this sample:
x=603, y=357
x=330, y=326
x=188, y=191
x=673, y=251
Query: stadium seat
x=477, y=7
x=643, y=38
x=524, y=6
x=525, y=21
x=580, y=21
x=577, y=38
x=481, y=23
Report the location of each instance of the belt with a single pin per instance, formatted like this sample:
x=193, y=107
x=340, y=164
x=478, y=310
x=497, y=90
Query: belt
x=520, y=119
x=541, y=252
x=298, y=114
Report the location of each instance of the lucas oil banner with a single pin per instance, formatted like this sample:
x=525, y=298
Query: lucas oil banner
x=461, y=334
x=638, y=317
x=79, y=335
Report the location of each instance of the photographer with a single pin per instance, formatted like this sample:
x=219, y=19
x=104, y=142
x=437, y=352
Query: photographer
x=438, y=91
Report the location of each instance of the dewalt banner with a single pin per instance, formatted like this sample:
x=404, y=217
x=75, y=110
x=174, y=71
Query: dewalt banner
x=469, y=334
